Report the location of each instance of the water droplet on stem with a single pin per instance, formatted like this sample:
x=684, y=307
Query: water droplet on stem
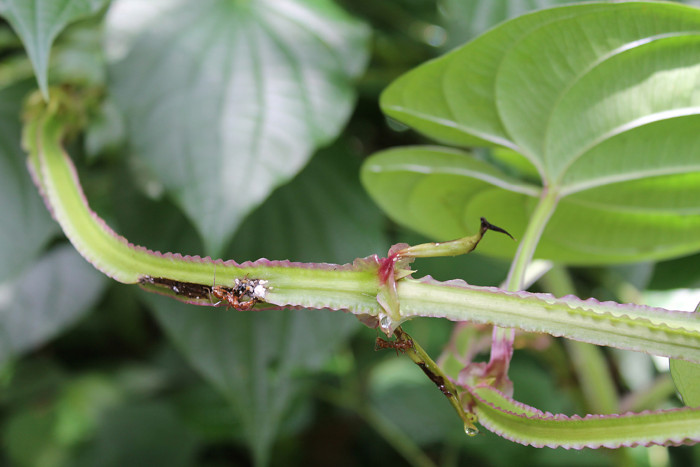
x=385, y=323
x=470, y=429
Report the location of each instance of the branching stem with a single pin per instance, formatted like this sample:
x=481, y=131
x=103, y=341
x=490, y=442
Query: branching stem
x=502, y=346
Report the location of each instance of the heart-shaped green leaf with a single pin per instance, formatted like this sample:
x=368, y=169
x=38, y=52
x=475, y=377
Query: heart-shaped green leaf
x=31, y=310
x=225, y=100
x=601, y=100
x=38, y=22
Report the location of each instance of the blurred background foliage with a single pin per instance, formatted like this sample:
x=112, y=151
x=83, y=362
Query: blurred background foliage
x=97, y=373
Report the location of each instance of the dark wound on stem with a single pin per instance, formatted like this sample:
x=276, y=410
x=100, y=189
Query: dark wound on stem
x=183, y=289
x=404, y=343
x=437, y=379
x=242, y=296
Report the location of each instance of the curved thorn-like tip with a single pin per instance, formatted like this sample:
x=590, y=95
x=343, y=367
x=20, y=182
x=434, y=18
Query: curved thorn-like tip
x=486, y=225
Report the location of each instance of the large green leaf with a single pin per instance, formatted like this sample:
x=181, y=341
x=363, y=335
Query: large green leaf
x=227, y=100
x=600, y=100
x=45, y=300
x=26, y=226
x=256, y=360
x=38, y=22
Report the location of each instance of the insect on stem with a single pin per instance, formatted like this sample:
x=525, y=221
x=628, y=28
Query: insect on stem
x=243, y=295
x=415, y=352
x=398, y=345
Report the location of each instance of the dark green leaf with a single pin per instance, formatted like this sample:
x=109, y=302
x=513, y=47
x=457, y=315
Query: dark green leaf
x=401, y=393
x=227, y=100
x=27, y=439
x=80, y=406
x=200, y=405
x=254, y=359
x=677, y=273
x=142, y=434
x=38, y=22
x=45, y=300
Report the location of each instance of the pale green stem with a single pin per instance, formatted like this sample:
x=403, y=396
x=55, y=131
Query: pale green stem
x=594, y=377
x=528, y=244
x=503, y=337
x=671, y=334
x=528, y=425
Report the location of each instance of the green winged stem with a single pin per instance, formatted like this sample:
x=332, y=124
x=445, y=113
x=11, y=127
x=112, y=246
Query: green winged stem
x=351, y=287
x=653, y=330
x=527, y=425
x=358, y=287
